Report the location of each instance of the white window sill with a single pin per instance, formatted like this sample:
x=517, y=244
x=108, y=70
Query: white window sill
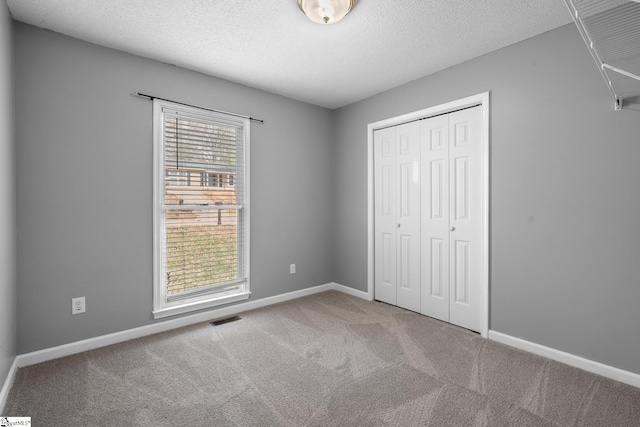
x=188, y=307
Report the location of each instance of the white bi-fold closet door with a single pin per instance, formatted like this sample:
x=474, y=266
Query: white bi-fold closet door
x=428, y=217
x=397, y=215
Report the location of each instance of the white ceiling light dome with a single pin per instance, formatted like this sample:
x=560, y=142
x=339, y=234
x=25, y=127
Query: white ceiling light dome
x=326, y=11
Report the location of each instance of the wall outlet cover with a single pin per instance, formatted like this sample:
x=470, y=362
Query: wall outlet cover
x=78, y=305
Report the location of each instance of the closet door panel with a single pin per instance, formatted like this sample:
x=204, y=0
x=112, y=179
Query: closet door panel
x=434, y=163
x=385, y=215
x=408, y=226
x=466, y=218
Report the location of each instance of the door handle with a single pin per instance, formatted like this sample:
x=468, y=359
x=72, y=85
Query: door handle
x=398, y=226
x=452, y=228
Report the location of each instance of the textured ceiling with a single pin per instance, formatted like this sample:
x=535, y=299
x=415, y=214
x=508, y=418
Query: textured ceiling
x=272, y=46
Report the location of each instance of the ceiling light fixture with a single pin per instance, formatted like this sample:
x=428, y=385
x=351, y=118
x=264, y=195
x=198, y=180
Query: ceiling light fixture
x=326, y=11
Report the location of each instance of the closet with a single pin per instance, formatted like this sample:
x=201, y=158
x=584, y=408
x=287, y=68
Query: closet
x=428, y=216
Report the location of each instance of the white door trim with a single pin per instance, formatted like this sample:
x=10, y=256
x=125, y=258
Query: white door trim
x=481, y=98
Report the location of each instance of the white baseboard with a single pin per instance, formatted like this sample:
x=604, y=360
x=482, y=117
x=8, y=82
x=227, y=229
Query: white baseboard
x=8, y=382
x=350, y=291
x=52, y=353
x=568, y=359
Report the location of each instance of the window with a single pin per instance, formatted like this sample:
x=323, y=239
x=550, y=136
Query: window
x=215, y=180
x=201, y=244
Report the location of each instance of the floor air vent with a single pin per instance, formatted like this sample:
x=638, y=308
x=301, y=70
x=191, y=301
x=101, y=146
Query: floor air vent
x=225, y=320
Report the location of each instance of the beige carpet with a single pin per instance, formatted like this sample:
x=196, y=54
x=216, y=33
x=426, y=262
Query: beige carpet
x=323, y=360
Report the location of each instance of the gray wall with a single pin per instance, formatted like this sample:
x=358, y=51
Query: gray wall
x=7, y=195
x=84, y=182
x=565, y=239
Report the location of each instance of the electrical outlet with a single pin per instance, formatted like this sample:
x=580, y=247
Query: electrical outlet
x=292, y=269
x=77, y=305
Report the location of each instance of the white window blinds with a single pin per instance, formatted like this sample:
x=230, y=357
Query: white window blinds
x=202, y=192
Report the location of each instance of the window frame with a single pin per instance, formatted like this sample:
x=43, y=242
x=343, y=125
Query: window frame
x=162, y=307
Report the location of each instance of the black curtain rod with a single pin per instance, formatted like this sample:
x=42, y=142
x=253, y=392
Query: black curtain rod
x=151, y=97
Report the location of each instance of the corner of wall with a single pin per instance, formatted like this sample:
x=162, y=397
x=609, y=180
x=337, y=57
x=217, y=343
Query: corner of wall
x=8, y=298
x=333, y=185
